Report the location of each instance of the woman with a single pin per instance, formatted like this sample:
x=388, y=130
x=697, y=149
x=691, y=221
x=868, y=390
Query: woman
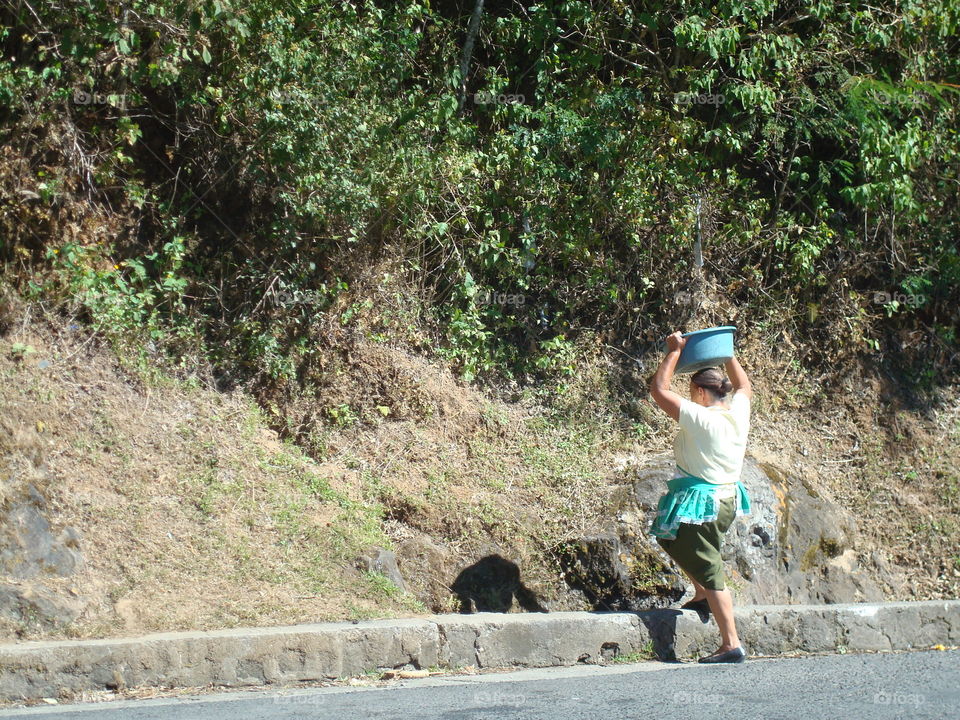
x=705, y=493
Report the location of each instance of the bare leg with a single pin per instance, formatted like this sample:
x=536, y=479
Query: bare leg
x=699, y=592
x=721, y=605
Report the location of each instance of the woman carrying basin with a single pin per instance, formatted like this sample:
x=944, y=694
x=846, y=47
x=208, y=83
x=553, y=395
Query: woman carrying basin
x=705, y=493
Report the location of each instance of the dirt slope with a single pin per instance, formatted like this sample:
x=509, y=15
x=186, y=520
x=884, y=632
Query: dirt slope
x=135, y=504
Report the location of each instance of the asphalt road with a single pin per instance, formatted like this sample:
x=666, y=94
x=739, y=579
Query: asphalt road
x=905, y=685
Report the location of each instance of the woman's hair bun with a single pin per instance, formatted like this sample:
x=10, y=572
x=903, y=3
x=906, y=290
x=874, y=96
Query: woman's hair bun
x=714, y=381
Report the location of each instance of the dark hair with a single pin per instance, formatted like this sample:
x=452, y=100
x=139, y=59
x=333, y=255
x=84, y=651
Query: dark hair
x=713, y=380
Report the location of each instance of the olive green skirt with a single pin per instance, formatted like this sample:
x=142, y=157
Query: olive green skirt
x=696, y=548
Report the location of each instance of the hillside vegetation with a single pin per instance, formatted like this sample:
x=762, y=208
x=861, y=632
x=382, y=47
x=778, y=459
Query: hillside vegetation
x=423, y=256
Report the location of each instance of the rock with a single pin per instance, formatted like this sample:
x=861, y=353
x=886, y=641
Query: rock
x=423, y=561
x=816, y=539
x=117, y=682
x=618, y=572
x=37, y=606
x=383, y=561
x=617, y=568
x=29, y=548
x=795, y=546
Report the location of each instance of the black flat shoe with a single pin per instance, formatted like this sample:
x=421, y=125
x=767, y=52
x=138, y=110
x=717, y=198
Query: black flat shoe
x=701, y=606
x=737, y=655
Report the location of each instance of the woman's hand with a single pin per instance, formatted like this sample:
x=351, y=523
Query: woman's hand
x=676, y=341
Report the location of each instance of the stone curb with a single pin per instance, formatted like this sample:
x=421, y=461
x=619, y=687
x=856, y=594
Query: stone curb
x=300, y=653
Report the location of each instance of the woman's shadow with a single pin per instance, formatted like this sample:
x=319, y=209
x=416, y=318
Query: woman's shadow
x=490, y=585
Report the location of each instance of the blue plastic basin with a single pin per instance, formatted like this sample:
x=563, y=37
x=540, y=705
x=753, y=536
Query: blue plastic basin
x=706, y=348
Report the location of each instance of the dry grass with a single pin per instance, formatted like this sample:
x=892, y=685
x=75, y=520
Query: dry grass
x=194, y=514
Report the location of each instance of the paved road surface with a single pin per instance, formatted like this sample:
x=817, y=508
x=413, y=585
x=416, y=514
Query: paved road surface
x=913, y=685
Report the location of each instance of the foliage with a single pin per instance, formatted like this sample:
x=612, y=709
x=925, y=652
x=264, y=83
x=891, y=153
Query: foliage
x=265, y=154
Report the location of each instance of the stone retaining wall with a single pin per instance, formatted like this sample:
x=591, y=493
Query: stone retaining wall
x=279, y=655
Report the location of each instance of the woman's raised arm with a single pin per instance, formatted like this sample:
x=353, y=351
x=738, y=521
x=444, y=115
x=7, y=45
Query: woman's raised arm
x=737, y=375
x=660, y=390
